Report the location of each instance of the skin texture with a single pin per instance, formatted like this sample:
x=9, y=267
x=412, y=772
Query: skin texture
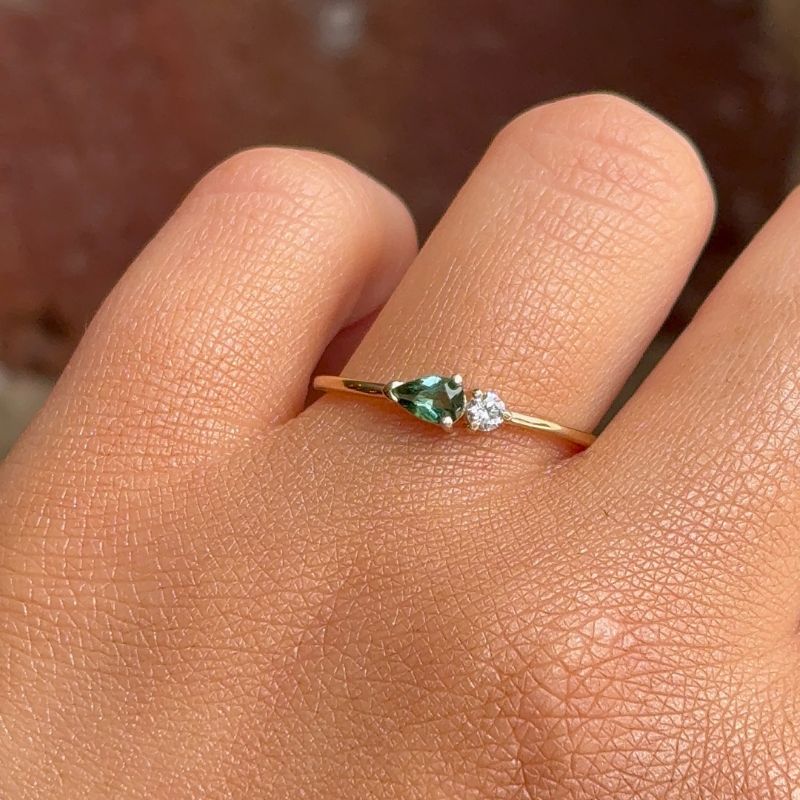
x=111, y=110
x=209, y=588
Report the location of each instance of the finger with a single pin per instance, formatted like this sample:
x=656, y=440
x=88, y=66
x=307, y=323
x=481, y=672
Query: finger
x=555, y=265
x=214, y=331
x=718, y=423
x=341, y=349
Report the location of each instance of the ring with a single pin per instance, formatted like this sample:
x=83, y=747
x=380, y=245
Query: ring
x=442, y=401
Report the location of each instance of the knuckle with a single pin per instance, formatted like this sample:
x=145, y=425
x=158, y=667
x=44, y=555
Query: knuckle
x=607, y=692
x=589, y=687
x=607, y=149
x=307, y=186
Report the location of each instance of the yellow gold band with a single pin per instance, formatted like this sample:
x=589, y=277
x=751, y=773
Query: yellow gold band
x=442, y=401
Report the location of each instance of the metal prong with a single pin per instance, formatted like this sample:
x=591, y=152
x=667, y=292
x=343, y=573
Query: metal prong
x=458, y=380
x=477, y=394
x=388, y=390
x=447, y=423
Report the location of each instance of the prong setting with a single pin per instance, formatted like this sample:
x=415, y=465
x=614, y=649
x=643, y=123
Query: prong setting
x=485, y=411
x=388, y=390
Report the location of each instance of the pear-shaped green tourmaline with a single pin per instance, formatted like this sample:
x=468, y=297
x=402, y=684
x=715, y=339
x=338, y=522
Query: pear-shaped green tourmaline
x=431, y=398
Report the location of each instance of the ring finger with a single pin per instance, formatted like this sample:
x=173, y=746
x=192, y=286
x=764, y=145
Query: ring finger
x=551, y=271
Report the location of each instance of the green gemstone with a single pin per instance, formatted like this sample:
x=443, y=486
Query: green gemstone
x=431, y=398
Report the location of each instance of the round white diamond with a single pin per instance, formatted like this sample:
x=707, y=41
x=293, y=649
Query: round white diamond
x=485, y=411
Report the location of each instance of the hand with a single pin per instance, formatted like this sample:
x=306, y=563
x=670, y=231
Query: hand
x=208, y=590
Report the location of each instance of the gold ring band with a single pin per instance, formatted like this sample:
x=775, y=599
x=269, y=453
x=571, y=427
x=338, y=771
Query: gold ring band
x=442, y=401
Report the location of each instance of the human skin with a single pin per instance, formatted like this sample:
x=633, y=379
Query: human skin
x=110, y=110
x=209, y=588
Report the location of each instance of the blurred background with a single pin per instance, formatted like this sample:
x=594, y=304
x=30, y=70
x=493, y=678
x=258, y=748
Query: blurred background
x=111, y=109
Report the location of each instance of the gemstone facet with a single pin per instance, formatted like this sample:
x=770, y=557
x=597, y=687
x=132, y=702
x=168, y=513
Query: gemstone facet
x=485, y=411
x=431, y=398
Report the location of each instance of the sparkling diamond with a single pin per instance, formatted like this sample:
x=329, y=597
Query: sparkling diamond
x=485, y=411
